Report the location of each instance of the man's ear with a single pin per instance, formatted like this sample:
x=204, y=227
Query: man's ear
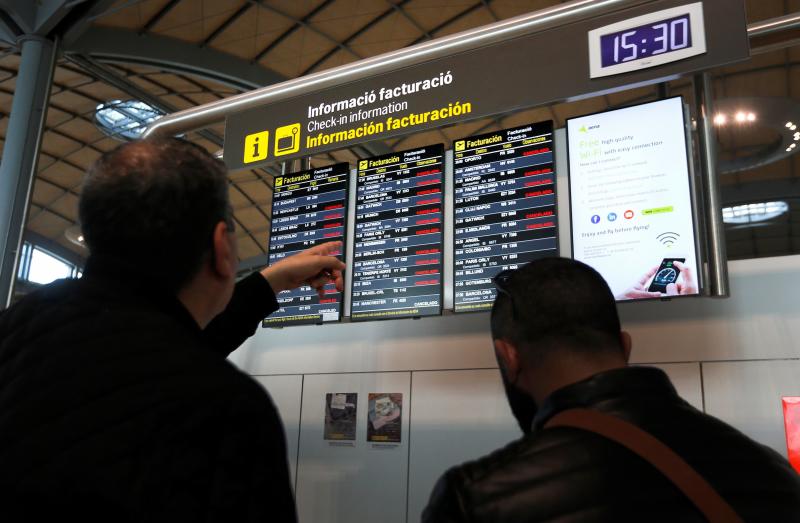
x=627, y=344
x=224, y=259
x=507, y=357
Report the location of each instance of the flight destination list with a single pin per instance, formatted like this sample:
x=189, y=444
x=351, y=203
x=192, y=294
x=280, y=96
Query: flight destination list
x=308, y=208
x=397, y=255
x=505, y=208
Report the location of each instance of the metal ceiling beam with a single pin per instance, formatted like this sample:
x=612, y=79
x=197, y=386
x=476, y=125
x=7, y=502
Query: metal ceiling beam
x=81, y=18
x=169, y=54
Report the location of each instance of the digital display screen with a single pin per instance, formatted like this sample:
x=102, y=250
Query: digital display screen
x=631, y=201
x=397, y=255
x=505, y=208
x=308, y=208
x=647, y=40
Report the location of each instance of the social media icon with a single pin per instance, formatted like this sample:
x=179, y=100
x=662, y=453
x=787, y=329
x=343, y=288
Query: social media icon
x=287, y=139
x=596, y=219
x=628, y=214
x=256, y=146
x=612, y=216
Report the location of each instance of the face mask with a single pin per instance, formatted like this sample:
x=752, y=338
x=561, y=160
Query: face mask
x=523, y=407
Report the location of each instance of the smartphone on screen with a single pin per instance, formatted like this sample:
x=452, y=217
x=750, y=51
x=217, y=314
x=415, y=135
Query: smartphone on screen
x=667, y=273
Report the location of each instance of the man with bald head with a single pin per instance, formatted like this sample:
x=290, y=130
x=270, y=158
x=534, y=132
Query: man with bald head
x=116, y=401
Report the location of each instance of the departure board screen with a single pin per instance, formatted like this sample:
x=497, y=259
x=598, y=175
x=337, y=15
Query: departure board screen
x=505, y=208
x=397, y=258
x=308, y=208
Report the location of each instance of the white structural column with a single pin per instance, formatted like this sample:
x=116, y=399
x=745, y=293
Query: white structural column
x=21, y=151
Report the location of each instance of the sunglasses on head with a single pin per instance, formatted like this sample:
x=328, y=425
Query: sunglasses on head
x=502, y=281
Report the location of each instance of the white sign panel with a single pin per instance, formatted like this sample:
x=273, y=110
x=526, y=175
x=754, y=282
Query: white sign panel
x=631, y=203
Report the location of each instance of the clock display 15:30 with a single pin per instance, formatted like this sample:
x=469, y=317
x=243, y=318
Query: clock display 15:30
x=645, y=41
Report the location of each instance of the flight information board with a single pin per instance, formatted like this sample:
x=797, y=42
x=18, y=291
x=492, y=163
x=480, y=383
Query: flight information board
x=308, y=208
x=397, y=255
x=505, y=208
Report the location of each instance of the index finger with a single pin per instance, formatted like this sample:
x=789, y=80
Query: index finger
x=685, y=269
x=325, y=249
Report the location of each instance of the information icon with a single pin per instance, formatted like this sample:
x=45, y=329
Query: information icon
x=596, y=219
x=612, y=216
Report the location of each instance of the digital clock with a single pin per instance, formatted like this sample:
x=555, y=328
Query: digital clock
x=647, y=41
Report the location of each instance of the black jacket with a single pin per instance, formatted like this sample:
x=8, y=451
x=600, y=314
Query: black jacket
x=115, y=406
x=568, y=475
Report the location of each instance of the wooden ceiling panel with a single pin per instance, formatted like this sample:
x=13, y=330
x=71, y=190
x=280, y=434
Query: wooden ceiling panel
x=252, y=33
x=474, y=18
x=295, y=8
x=48, y=224
x=193, y=20
x=248, y=248
x=127, y=15
x=302, y=48
x=252, y=216
x=393, y=32
x=430, y=14
x=511, y=8
x=44, y=193
x=256, y=190
x=345, y=17
x=66, y=205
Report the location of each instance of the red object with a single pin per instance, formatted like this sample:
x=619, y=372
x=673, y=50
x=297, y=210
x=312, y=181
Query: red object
x=628, y=214
x=791, y=421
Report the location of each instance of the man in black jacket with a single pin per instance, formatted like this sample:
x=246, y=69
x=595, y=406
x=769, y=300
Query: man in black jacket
x=559, y=346
x=116, y=401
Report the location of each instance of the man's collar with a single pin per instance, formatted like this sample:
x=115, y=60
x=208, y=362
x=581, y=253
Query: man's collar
x=627, y=381
x=127, y=282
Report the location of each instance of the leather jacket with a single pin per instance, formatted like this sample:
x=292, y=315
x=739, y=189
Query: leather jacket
x=565, y=474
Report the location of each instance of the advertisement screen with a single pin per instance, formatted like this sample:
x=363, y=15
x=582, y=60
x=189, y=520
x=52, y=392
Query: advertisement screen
x=397, y=255
x=308, y=208
x=505, y=208
x=631, y=200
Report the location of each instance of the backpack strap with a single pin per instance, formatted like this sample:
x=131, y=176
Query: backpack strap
x=652, y=450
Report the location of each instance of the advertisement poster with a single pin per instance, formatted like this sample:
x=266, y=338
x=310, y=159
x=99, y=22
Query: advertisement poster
x=631, y=204
x=385, y=417
x=340, y=416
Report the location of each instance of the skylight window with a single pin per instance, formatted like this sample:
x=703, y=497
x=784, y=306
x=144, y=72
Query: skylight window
x=754, y=212
x=125, y=119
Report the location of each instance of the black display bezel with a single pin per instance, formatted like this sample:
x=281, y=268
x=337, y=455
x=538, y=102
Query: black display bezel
x=345, y=167
x=555, y=194
x=692, y=197
x=444, y=218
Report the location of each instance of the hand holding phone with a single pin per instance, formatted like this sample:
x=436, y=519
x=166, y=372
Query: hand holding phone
x=666, y=274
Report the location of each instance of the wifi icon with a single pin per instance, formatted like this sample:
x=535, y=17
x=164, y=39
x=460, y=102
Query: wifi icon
x=668, y=239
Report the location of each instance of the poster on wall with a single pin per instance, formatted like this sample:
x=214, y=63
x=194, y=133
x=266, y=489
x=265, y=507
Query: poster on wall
x=505, y=208
x=631, y=200
x=308, y=208
x=385, y=417
x=340, y=416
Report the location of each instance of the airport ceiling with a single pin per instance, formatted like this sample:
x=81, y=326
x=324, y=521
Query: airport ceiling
x=174, y=54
